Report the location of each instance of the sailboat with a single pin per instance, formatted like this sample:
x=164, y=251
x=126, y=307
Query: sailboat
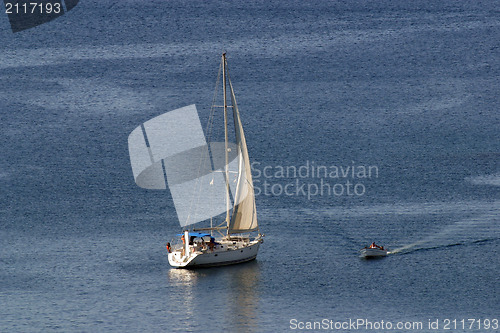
x=208, y=181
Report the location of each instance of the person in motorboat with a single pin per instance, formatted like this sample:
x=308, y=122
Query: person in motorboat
x=375, y=246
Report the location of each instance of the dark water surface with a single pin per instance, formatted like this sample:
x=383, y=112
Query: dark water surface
x=409, y=89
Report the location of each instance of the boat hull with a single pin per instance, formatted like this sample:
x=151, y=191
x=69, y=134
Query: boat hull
x=373, y=253
x=219, y=257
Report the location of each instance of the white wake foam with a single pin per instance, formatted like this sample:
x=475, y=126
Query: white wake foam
x=478, y=228
x=492, y=180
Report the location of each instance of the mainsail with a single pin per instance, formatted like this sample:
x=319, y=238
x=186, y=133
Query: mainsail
x=244, y=217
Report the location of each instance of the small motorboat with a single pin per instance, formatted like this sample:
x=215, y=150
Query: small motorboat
x=373, y=251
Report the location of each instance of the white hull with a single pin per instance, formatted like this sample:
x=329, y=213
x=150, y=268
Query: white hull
x=227, y=253
x=373, y=253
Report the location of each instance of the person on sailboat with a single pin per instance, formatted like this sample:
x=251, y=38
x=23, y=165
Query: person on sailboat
x=211, y=244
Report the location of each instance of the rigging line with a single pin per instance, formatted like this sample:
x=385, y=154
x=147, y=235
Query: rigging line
x=209, y=126
x=195, y=197
x=236, y=120
x=233, y=97
x=227, y=172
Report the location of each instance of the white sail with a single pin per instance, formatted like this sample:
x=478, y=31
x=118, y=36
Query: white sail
x=244, y=217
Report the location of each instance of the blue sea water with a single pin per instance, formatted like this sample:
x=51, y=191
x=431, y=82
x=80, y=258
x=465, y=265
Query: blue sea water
x=411, y=89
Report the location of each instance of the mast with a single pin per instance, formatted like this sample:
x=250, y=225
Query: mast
x=226, y=145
